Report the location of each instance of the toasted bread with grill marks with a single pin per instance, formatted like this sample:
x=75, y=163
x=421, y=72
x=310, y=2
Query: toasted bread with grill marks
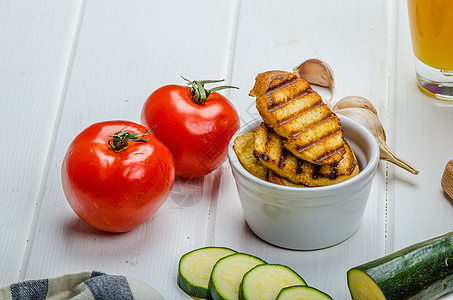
x=269, y=148
x=274, y=178
x=243, y=147
x=295, y=111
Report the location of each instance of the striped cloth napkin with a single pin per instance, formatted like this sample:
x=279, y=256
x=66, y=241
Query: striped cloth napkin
x=80, y=286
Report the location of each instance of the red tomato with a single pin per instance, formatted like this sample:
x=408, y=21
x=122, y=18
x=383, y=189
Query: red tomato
x=196, y=125
x=117, y=191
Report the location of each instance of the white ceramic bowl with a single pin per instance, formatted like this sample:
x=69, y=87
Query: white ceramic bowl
x=308, y=218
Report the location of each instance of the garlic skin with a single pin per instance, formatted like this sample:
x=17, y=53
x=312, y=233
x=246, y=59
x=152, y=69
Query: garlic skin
x=354, y=101
x=316, y=72
x=370, y=120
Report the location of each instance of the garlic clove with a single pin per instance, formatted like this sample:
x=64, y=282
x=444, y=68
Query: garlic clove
x=371, y=121
x=316, y=72
x=358, y=102
x=366, y=118
x=388, y=155
x=354, y=101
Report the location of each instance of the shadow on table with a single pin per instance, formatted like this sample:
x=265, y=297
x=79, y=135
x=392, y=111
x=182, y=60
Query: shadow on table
x=449, y=199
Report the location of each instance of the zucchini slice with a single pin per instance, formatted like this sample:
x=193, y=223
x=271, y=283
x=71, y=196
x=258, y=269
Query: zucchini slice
x=420, y=271
x=227, y=275
x=266, y=281
x=195, y=270
x=302, y=292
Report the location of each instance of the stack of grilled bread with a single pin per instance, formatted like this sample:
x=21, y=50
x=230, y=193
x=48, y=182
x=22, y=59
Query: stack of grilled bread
x=300, y=141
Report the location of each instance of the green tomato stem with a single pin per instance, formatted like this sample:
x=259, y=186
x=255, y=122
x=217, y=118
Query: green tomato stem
x=120, y=140
x=199, y=94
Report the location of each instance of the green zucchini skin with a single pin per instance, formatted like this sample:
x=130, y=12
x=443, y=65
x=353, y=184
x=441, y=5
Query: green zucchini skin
x=186, y=283
x=305, y=291
x=268, y=274
x=420, y=271
x=221, y=267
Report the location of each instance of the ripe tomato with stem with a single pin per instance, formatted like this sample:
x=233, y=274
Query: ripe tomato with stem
x=116, y=175
x=195, y=123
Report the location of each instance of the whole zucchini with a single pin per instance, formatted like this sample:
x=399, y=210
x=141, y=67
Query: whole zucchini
x=420, y=271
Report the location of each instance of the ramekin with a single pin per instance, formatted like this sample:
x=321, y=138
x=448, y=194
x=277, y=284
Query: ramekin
x=308, y=218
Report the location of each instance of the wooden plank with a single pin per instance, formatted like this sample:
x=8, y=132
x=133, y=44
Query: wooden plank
x=421, y=126
x=36, y=39
x=280, y=35
x=125, y=51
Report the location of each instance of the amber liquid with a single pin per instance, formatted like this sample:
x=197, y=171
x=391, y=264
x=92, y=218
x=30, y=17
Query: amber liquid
x=431, y=25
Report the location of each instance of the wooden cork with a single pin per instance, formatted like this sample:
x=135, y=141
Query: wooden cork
x=447, y=179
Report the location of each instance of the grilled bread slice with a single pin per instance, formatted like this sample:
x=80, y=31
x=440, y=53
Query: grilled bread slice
x=243, y=147
x=269, y=148
x=274, y=178
x=295, y=111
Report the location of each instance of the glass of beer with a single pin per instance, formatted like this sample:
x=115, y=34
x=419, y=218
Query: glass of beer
x=431, y=26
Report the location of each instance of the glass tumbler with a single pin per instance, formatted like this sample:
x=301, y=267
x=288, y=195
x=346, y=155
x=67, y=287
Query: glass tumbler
x=431, y=27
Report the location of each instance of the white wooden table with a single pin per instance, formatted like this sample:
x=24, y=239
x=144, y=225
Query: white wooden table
x=67, y=64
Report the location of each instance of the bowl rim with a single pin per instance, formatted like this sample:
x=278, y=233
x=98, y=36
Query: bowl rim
x=367, y=171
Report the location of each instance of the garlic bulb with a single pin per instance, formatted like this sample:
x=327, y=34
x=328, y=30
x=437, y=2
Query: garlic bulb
x=316, y=72
x=370, y=120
